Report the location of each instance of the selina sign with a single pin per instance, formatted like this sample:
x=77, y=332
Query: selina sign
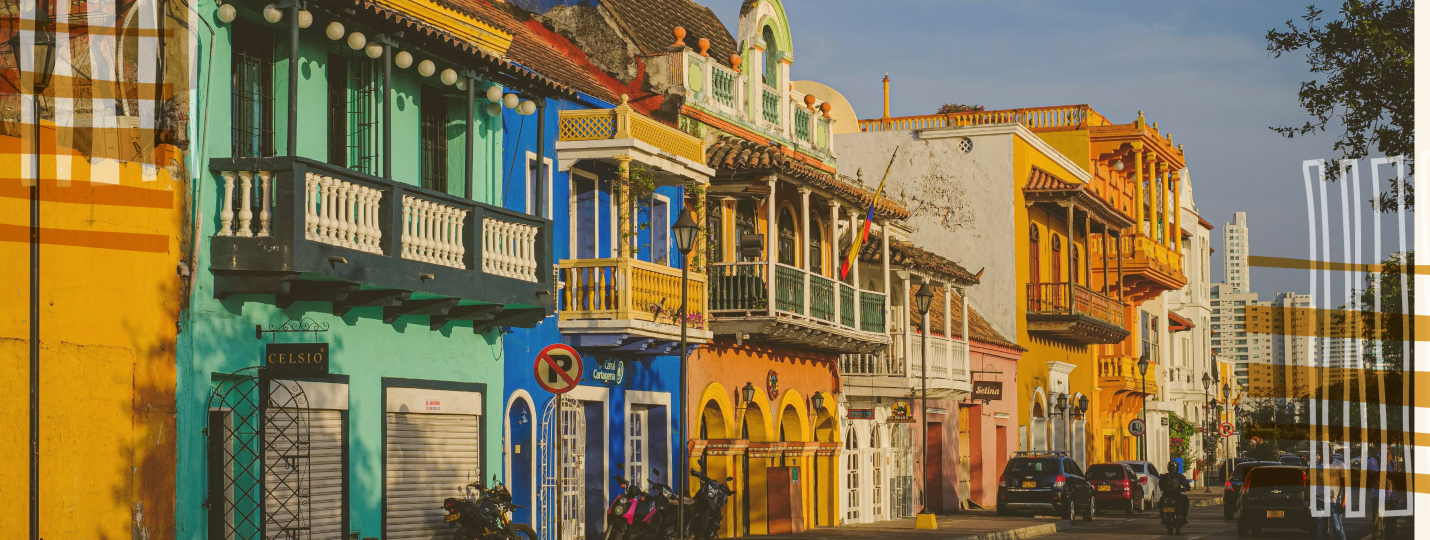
x=296, y=360
x=989, y=390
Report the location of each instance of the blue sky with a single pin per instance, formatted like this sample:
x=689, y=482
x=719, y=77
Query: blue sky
x=1199, y=69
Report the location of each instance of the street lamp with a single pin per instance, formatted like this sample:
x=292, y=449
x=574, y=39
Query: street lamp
x=1062, y=406
x=1208, y=423
x=817, y=402
x=1142, y=365
x=748, y=393
x=922, y=300
x=685, y=230
x=43, y=67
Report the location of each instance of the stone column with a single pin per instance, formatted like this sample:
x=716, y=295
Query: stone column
x=834, y=249
x=804, y=239
x=1177, y=210
x=888, y=300
x=1137, y=188
x=772, y=250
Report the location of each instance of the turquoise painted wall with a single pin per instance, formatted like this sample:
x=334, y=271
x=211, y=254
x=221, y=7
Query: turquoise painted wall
x=217, y=336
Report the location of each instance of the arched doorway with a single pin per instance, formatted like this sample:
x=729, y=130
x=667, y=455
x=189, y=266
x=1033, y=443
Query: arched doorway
x=520, y=464
x=876, y=475
x=853, y=500
x=1038, y=439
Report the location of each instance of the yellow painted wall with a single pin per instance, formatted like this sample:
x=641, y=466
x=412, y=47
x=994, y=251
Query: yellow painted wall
x=110, y=298
x=1033, y=366
x=1074, y=144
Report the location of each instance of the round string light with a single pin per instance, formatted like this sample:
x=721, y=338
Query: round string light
x=356, y=41
x=426, y=68
x=227, y=13
x=334, y=30
x=403, y=59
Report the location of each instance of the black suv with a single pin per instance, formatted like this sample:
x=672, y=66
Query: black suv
x=1233, y=485
x=1276, y=496
x=1048, y=483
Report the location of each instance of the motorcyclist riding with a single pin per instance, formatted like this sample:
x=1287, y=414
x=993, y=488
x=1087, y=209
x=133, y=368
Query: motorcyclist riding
x=1174, y=485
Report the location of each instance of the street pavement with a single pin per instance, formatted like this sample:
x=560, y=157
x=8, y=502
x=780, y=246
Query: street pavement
x=1205, y=523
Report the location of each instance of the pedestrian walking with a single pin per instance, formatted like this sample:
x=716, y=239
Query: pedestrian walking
x=1331, y=495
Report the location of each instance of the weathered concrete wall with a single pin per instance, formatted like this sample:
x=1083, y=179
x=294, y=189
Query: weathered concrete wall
x=962, y=204
x=594, y=32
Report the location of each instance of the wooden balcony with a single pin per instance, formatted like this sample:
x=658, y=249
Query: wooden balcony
x=628, y=306
x=898, y=371
x=804, y=310
x=670, y=154
x=304, y=230
x=1149, y=268
x=1074, y=314
x=1063, y=117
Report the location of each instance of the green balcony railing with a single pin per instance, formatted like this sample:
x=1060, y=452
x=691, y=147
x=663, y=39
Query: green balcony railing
x=821, y=298
x=789, y=289
x=771, y=105
x=871, y=311
x=801, y=124
x=846, y=305
x=724, y=85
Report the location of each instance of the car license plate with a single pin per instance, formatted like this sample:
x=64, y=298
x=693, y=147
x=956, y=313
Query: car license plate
x=1276, y=513
x=1030, y=483
x=1104, y=488
x=1171, y=509
x=452, y=517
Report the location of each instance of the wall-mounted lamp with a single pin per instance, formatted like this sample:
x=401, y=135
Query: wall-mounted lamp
x=747, y=393
x=1117, y=166
x=1062, y=402
x=817, y=400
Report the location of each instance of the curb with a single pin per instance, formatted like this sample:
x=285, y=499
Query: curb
x=1032, y=531
x=1203, y=503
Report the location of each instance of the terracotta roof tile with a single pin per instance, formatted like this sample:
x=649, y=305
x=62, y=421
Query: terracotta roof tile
x=734, y=153
x=906, y=254
x=530, y=50
x=1040, y=179
x=1179, y=322
x=648, y=23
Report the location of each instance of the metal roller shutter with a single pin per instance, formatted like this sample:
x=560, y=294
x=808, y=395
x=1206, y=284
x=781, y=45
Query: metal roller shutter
x=321, y=471
x=429, y=457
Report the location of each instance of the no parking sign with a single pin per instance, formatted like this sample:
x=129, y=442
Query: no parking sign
x=558, y=368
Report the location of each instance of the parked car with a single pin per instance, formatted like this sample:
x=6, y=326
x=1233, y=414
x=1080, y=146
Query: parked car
x=1274, y=496
x=1233, y=485
x=1115, y=486
x=1147, y=475
x=1296, y=461
x=1047, y=483
x=1222, y=473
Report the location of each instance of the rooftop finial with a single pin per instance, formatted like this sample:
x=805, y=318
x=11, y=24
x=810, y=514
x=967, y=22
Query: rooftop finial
x=679, y=33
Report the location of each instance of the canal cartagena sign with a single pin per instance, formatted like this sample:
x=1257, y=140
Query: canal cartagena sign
x=296, y=360
x=611, y=371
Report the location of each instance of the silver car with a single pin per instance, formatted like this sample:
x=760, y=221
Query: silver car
x=1147, y=475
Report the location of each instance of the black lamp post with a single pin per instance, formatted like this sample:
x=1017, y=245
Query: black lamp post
x=748, y=393
x=1208, y=424
x=1062, y=406
x=1142, y=365
x=1230, y=450
x=685, y=230
x=922, y=301
x=43, y=67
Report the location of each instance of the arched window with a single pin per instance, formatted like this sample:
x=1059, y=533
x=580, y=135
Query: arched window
x=772, y=57
x=1033, y=249
x=787, y=237
x=816, y=248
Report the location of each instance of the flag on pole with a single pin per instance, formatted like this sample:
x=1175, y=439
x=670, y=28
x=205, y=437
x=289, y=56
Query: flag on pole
x=868, y=222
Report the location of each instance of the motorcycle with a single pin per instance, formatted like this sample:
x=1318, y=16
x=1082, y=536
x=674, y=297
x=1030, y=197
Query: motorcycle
x=643, y=514
x=484, y=516
x=1171, y=517
x=709, y=501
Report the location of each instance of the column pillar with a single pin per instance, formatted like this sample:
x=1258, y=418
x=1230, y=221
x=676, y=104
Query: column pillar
x=1105, y=277
x=772, y=250
x=702, y=255
x=834, y=249
x=804, y=240
x=948, y=312
x=1137, y=207
x=623, y=206
x=1162, y=203
x=1177, y=210
x=1068, y=253
x=888, y=302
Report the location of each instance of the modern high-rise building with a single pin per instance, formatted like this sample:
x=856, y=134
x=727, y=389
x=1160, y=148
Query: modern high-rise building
x=1236, y=242
x=1230, y=339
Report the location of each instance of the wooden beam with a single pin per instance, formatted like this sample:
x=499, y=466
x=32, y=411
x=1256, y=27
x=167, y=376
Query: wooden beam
x=370, y=298
x=437, y=306
x=315, y=291
x=466, y=313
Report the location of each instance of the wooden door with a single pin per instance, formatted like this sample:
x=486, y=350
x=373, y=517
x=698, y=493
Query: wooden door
x=965, y=463
x=933, y=492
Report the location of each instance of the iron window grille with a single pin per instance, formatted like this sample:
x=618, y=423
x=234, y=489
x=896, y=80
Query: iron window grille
x=252, y=103
x=433, y=139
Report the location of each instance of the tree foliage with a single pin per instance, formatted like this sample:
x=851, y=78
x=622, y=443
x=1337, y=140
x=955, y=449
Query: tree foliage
x=954, y=108
x=1364, y=64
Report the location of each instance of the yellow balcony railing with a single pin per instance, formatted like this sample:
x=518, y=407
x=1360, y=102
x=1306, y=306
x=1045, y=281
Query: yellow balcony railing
x=623, y=122
x=1141, y=249
x=628, y=289
x=1120, y=373
x=1037, y=118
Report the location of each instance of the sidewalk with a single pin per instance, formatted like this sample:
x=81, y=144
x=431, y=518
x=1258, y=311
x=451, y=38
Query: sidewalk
x=967, y=525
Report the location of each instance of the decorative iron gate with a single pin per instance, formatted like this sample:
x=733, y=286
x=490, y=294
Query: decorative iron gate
x=902, y=480
x=258, y=459
x=572, y=468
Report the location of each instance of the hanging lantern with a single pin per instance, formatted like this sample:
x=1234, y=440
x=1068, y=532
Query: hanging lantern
x=494, y=93
x=511, y=101
x=403, y=59
x=334, y=30
x=426, y=68
x=272, y=14
x=493, y=109
x=356, y=41
x=227, y=13
x=449, y=77
x=373, y=50
x=525, y=108
x=305, y=19
x=462, y=84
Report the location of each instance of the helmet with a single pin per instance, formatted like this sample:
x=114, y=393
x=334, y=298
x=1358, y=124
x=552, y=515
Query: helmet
x=1173, y=467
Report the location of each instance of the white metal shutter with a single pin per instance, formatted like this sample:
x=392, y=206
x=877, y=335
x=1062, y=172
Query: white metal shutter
x=429, y=457
x=322, y=475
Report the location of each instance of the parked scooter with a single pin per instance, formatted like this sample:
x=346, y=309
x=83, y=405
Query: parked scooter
x=709, y=501
x=484, y=516
x=643, y=514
